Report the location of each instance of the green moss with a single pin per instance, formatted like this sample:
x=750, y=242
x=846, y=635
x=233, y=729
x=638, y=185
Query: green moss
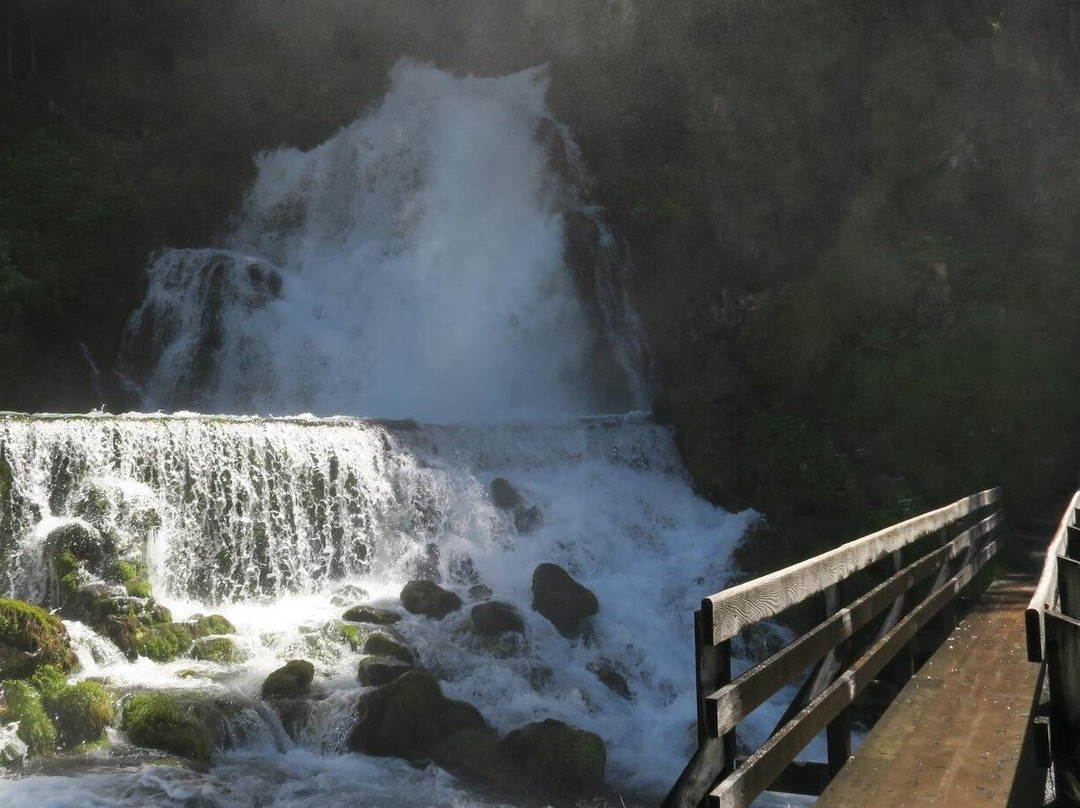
x=379, y=644
x=29, y=638
x=80, y=712
x=161, y=642
x=217, y=649
x=36, y=730
x=156, y=721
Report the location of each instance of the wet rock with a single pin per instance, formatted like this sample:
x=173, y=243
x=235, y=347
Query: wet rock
x=222, y=650
x=379, y=644
x=611, y=677
x=157, y=721
x=570, y=759
x=480, y=592
x=82, y=544
x=429, y=599
x=527, y=519
x=504, y=495
x=408, y=717
x=30, y=637
x=560, y=598
x=495, y=617
x=208, y=625
x=349, y=593
x=475, y=753
x=161, y=642
x=290, y=681
x=371, y=614
x=376, y=671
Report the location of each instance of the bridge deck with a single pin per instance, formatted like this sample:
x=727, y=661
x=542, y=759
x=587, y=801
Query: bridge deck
x=957, y=734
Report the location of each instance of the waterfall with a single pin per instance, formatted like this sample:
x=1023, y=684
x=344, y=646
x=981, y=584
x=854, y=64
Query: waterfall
x=439, y=259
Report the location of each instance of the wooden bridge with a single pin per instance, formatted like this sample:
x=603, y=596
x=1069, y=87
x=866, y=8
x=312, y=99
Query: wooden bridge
x=967, y=713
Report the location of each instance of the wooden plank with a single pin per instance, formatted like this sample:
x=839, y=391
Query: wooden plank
x=807, y=777
x=1046, y=590
x=732, y=703
x=1071, y=547
x=1063, y=672
x=729, y=611
x=747, y=782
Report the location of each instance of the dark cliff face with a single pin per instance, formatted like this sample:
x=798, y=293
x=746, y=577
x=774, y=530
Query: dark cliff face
x=853, y=225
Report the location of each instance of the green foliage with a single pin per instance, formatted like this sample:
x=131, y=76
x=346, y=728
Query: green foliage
x=156, y=721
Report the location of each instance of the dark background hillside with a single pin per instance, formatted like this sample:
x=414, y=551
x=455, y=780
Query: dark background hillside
x=855, y=224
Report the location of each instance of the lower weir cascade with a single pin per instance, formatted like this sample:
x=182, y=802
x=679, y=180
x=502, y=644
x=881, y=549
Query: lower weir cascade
x=281, y=525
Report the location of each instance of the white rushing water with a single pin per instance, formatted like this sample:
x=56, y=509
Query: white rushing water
x=438, y=259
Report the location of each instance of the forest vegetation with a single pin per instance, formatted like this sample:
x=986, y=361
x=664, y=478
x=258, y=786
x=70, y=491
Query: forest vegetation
x=854, y=224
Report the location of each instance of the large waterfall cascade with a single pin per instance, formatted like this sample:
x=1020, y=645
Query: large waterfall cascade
x=439, y=260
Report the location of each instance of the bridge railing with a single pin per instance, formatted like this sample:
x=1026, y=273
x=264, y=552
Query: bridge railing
x=1053, y=639
x=930, y=559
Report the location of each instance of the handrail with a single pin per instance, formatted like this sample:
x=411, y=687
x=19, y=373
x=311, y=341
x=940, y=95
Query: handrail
x=838, y=672
x=1045, y=596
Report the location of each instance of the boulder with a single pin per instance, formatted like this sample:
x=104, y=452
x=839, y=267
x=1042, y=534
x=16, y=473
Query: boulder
x=348, y=593
x=83, y=543
x=480, y=592
x=157, y=721
x=30, y=637
x=496, y=617
x=570, y=759
x=504, y=495
x=409, y=717
x=376, y=671
x=81, y=712
x=371, y=614
x=381, y=645
x=290, y=681
x=161, y=642
x=429, y=599
x=560, y=598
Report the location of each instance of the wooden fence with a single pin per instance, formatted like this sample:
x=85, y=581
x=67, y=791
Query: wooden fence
x=875, y=594
x=1053, y=639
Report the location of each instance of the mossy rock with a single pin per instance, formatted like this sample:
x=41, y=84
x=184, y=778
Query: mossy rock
x=379, y=644
x=351, y=635
x=161, y=642
x=207, y=625
x=496, y=617
x=408, y=717
x=290, y=681
x=570, y=759
x=84, y=544
x=376, y=671
x=36, y=729
x=133, y=577
x=473, y=752
x=429, y=599
x=81, y=712
x=157, y=721
x=29, y=638
x=371, y=614
x=217, y=649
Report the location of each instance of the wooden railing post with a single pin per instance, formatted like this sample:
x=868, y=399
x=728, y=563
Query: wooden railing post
x=838, y=731
x=713, y=672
